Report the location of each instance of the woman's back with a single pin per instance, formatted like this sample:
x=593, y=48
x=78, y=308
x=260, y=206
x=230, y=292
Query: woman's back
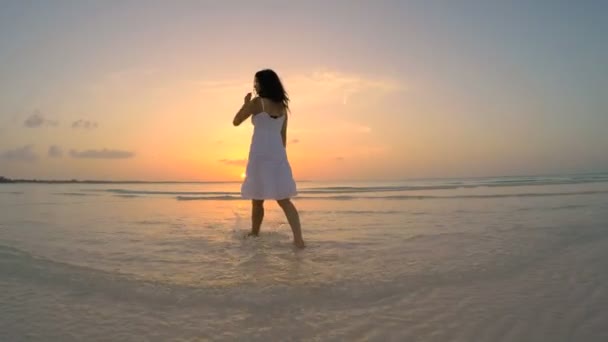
x=267, y=139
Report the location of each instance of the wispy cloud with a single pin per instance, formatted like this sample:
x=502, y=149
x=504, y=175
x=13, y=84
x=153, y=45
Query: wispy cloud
x=24, y=153
x=339, y=158
x=335, y=127
x=238, y=162
x=319, y=85
x=313, y=86
x=294, y=141
x=224, y=85
x=85, y=124
x=38, y=120
x=101, y=154
x=354, y=127
x=351, y=82
x=128, y=78
x=55, y=151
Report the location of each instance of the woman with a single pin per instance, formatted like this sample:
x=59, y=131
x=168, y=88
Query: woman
x=268, y=175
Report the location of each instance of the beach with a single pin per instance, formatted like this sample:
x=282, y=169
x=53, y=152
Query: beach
x=483, y=259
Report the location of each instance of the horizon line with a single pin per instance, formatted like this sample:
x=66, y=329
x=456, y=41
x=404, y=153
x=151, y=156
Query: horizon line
x=102, y=181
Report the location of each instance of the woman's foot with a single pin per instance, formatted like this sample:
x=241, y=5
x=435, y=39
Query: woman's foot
x=299, y=243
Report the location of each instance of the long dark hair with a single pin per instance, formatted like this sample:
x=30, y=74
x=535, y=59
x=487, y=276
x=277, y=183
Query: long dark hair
x=271, y=87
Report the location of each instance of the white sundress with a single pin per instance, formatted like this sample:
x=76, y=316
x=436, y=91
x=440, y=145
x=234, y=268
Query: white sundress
x=268, y=174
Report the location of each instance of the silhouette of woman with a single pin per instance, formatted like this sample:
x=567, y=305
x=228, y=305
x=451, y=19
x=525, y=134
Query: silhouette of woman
x=268, y=175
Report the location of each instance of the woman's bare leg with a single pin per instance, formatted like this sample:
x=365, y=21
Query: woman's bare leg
x=257, y=215
x=294, y=221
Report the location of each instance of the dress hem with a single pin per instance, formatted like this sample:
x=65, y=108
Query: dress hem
x=274, y=198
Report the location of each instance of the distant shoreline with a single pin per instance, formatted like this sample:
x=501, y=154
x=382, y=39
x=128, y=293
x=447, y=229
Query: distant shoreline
x=5, y=180
x=76, y=181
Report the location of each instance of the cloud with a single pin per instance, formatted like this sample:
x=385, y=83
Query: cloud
x=354, y=127
x=294, y=141
x=85, y=124
x=352, y=82
x=101, y=154
x=38, y=120
x=335, y=127
x=55, y=151
x=225, y=86
x=238, y=162
x=24, y=153
x=339, y=158
x=338, y=85
x=312, y=87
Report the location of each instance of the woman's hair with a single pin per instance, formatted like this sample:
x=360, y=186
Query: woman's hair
x=270, y=87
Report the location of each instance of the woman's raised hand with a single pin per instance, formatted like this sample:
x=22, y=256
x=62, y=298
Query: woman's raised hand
x=247, y=97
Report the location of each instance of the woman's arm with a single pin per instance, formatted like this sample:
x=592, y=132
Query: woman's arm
x=245, y=111
x=284, y=131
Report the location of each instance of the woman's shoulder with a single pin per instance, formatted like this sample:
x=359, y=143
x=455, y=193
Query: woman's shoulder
x=256, y=104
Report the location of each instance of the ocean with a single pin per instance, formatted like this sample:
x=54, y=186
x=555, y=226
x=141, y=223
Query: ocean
x=483, y=259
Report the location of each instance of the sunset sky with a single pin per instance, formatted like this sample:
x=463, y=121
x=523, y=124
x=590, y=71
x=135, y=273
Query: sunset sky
x=380, y=89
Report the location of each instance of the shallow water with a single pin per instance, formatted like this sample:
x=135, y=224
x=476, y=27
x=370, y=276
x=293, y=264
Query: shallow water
x=503, y=259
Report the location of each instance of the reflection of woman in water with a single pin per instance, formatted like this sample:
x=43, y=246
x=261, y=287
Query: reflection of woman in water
x=268, y=174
